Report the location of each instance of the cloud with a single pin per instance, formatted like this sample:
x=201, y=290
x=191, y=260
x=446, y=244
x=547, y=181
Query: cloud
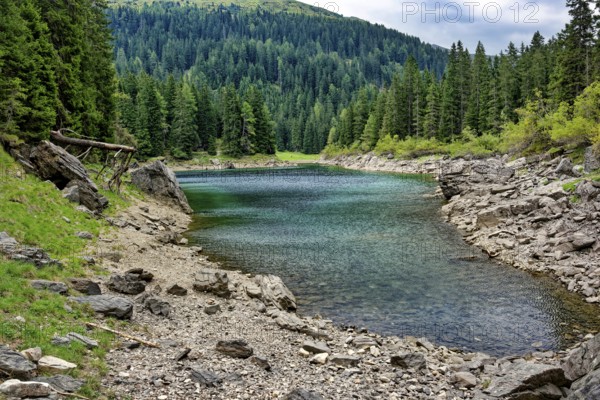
x=494, y=23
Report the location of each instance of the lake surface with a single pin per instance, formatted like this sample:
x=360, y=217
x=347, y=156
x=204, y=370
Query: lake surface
x=370, y=249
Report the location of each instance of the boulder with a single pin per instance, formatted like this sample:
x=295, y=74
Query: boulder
x=55, y=287
x=464, y=380
x=319, y=359
x=592, y=160
x=63, y=383
x=85, y=286
x=565, y=168
x=53, y=163
x=587, y=191
x=522, y=377
x=275, y=293
x=16, y=388
x=586, y=388
x=54, y=365
x=235, y=348
x=212, y=309
x=415, y=361
x=364, y=342
x=583, y=360
x=110, y=306
x=159, y=181
x=141, y=274
x=14, y=364
x=126, y=284
x=212, y=281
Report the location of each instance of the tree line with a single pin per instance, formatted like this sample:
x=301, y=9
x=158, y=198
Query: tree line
x=181, y=117
x=477, y=95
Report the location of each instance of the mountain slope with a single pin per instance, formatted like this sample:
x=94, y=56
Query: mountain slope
x=308, y=64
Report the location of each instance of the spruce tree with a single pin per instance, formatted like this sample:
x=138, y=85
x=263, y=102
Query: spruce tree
x=184, y=131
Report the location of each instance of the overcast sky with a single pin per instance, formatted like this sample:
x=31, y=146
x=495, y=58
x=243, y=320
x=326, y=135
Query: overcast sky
x=442, y=22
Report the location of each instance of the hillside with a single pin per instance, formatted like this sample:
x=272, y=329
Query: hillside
x=308, y=63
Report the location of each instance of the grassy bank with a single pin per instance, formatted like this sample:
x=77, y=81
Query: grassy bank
x=36, y=214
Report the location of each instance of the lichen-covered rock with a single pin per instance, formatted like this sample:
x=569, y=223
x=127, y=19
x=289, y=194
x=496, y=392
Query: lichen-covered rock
x=158, y=180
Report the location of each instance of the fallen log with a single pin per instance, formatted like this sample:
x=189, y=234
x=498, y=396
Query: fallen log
x=60, y=138
x=124, y=335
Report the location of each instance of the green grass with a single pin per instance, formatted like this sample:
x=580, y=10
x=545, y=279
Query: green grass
x=35, y=213
x=294, y=157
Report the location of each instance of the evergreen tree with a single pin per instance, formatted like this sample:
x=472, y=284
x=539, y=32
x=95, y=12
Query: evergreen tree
x=431, y=123
x=574, y=70
x=184, y=131
x=450, y=121
x=28, y=89
x=476, y=117
x=232, y=122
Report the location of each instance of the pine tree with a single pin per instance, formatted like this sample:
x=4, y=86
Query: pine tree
x=431, y=123
x=232, y=122
x=476, y=116
x=374, y=122
x=450, y=118
x=574, y=69
x=206, y=119
x=184, y=131
x=150, y=129
x=393, y=117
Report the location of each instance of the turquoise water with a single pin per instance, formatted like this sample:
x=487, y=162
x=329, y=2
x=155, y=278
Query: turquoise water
x=369, y=249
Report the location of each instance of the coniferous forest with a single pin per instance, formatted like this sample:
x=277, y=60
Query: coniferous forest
x=177, y=78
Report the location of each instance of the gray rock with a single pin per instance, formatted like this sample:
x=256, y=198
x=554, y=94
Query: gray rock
x=582, y=360
x=592, y=160
x=235, y=348
x=261, y=362
x=53, y=163
x=549, y=392
x=15, y=364
x=84, y=235
x=177, y=290
x=31, y=255
x=33, y=354
x=565, y=168
x=159, y=181
x=416, y=361
x=212, y=281
x=319, y=359
x=275, y=293
x=63, y=383
x=581, y=241
x=586, y=388
x=524, y=377
x=364, y=342
x=345, y=361
x=464, y=380
x=16, y=388
x=142, y=274
x=168, y=237
x=55, y=365
x=88, y=342
x=587, y=191
x=157, y=306
x=316, y=347
x=85, y=286
x=55, y=287
x=491, y=217
x=301, y=394
x=126, y=284
x=110, y=306
x=212, y=309
x=61, y=341
x=205, y=378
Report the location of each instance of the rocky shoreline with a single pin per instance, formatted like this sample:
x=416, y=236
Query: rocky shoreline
x=207, y=333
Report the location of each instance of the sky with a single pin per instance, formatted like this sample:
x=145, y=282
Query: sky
x=494, y=23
